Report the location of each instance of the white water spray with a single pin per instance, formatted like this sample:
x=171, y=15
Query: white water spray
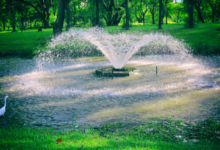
x=118, y=48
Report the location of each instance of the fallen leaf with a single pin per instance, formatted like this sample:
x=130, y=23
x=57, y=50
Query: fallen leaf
x=59, y=140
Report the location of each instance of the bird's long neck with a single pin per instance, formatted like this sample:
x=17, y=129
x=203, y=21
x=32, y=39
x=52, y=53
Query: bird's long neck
x=5, y=102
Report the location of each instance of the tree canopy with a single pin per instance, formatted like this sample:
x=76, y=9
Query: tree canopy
x=45, y=13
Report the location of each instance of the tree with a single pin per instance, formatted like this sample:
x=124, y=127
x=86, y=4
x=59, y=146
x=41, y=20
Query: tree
x=214, y=5
x=160, y=14
x=166, y=8
x=153, y=5
x=11, y=6
x=58, y=25
x=42, y=7
x=77, y=8
x=141, y=8
x=218, y=13
x=67, y=14
x=3, y=13
x=97, y=12
x=127, y=15
x=177, y=10
x=112, y=12
x=23, y=11
x=189, y=10
x=197, y=4
x=191, y=21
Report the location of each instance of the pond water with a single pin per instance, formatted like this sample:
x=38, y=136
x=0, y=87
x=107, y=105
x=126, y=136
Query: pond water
x=51, y=94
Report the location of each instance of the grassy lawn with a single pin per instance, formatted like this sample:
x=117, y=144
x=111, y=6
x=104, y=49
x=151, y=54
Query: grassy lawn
x=23, y=44
x=154, y=136
x=204, y=38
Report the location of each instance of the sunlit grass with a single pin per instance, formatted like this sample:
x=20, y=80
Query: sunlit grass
x=102, y=138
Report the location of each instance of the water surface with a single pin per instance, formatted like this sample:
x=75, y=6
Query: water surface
x=51, y=94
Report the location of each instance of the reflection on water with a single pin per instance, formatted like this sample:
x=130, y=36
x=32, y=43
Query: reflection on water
x=51, y=96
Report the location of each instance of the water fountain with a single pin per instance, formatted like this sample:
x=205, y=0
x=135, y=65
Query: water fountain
x=60, y=82
x=118, y=48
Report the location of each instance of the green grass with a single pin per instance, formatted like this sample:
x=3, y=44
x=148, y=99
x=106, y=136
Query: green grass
x=204, y=39
x=113, y=136
x=23, y=44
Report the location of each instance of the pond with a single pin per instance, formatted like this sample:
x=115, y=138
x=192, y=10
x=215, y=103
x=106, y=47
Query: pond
x=52, y=94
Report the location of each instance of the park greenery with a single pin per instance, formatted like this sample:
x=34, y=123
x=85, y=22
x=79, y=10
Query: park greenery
x=196, y=23
x=203, y=39
x=26, y=27
x=154, y=135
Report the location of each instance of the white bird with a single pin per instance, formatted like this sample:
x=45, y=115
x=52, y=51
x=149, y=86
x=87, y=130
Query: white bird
x=2, y=110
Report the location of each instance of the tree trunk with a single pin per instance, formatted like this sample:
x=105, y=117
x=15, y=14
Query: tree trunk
x=127, y=16
x=197, y=6
x=3, y=21
x=58, y=25
x=166, y=18
x=112, y=14
x=13, y=19
x=46, y=24
x=116, y=19
x=30, y=21
x=74, y=16
x=143, y=19
x=109, y=18
x=191, y=14
x=48, y=17
x=213, y=15
x=200, y=16
x=97, y=12
x=160, y=15
x=22, y=19
x=153, y=16
x=163, y=14
x=177, y=19
x=67, y=15
x=138, y=19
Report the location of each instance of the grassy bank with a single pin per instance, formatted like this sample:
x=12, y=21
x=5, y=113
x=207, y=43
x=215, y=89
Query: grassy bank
x=163, y=135
x=23, y=44
x=204, y=38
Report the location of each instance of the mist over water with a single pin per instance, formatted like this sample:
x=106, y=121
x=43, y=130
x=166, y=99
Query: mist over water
x=60, y=82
